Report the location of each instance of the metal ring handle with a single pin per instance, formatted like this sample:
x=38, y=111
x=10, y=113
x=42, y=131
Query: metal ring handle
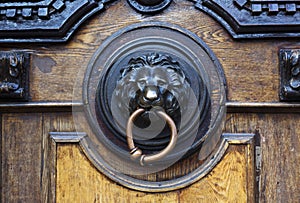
x=136, y=152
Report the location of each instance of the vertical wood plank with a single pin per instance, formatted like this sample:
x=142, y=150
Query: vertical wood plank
x=251, y=183
x=58, y=122
x=21, y=157
x=52, y=122
x=280, y=151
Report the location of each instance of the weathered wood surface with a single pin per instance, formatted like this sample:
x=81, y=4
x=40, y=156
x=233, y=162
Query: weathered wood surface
x=251, y=69
x=52, y=122
x=21, y=156
x=26, y=161
x=79, y=181
x=280, y=148
x=251, y=66
x=227, y=182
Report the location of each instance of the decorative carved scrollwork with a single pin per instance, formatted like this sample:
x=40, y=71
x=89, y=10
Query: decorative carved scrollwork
x=255, y=18
x=290, y=74
x=14, y=75
x=44, y=20
x=30, y=9
x=272, y=7
x=56, y=20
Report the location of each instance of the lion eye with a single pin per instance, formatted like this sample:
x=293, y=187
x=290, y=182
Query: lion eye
x=161, y=83
x=142, y=82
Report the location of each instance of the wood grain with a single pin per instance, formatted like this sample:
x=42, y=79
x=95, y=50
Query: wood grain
x=22, y=163
x=251, y=70
x=251, y=66
x=280, y=146
x=79, y=181
x=226, y=183
x=26, y=156
x=53, y=122
x=21, y=158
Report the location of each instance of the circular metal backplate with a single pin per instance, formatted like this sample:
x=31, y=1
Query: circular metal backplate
x=202, y=117
x=149, y=6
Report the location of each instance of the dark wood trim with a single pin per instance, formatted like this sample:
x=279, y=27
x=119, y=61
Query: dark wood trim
x=1, y=183
x=41, y=107
x=44, y=20
x=254, y=19
x=232, y=107
x=289, y=75
x=14, y=75
x=262, y=107
x=30, y=21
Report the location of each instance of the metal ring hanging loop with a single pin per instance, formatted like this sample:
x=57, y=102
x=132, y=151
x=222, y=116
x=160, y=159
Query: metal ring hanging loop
x=136, y=152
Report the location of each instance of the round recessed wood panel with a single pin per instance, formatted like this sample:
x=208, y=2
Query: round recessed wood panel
x=201, y=117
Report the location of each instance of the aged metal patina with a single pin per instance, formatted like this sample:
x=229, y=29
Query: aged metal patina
x=154, y=81
x=14, y=81
x=290, y=74
x=137, y=153
x=153, y=102
x=149, y=6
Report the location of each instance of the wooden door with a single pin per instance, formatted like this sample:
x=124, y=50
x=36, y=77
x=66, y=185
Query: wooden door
x=41, y=163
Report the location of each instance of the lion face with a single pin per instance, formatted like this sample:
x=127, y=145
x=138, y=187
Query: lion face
x=153, y=81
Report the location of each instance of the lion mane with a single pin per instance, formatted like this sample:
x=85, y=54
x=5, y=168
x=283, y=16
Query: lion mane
x=157, y=75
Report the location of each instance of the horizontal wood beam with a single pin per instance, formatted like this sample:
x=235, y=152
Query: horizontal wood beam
x=232, y=107
x=40, y=107
x=262, y=107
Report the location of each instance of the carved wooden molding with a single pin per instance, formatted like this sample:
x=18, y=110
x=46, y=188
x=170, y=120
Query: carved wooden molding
x=58, y=137
x=44, y=20
x=14, y=81
x=82, y=139
x=255, y=18
x=290, y=74
x=56, y=20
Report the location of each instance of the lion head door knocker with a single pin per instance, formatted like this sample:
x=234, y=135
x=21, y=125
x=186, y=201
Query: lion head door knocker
x=154, y=98
x=155, y=94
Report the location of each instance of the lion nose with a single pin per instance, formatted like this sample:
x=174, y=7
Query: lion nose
x=151, y=93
